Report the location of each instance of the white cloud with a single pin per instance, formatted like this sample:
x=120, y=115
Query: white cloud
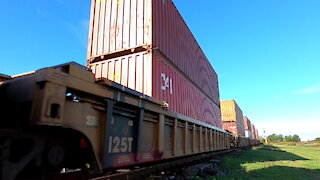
x=309, y=90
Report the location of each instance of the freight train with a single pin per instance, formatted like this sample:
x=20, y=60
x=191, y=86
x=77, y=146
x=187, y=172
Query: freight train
x=62, y=117
x=147, y=94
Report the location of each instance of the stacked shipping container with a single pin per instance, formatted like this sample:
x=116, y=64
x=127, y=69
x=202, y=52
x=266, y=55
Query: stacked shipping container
x=146, y=45
x=247, y=127
x=233, y=127
x=232, y=117
x=253, y=131
x=257, y=134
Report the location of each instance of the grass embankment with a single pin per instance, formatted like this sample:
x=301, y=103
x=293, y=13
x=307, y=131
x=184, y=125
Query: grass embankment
x=273, y=162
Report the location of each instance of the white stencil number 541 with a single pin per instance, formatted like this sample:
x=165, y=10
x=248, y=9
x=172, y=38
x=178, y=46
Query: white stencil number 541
x=166, y=83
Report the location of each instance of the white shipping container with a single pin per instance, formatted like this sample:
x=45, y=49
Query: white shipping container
x=248, y=134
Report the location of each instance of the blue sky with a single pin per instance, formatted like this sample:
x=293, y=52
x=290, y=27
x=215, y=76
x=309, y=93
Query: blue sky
x=266, y=52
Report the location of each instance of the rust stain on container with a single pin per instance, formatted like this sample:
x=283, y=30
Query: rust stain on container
x=131, y=24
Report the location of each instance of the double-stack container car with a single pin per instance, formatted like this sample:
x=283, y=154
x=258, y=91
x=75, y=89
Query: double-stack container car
x=232, y=117
x=248, y=130
x=234, y=121
x=66, y=118
x=148, y=93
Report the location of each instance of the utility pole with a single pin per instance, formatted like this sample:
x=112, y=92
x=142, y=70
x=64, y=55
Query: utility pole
x=265, y=137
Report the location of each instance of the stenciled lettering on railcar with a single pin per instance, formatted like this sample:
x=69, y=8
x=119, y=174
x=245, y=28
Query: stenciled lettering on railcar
x=120, y=144
x=92, y=121
x=166, y=83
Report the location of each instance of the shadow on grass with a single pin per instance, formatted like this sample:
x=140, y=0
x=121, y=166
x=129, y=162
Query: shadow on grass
x=264, y=153
x=235, y=169
x=283, y=172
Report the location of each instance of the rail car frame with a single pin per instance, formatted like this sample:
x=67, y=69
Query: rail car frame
x=62, y=117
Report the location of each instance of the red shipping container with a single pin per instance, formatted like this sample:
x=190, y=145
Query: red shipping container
x=253, y=130
x=247, y=123
x=118, y=28
x=257, y=133
x=247, y=127
x=234, y=127
x=155, y=76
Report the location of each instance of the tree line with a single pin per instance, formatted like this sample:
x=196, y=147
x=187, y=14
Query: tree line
x=281, y=138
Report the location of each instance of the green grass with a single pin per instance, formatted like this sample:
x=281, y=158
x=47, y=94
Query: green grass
x=305, y=144
x=273, y=162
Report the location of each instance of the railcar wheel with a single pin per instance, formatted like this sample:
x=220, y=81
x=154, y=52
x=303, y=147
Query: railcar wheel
x=54, y=156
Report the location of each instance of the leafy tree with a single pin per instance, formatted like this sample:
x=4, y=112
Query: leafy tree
x=280, y=138
x=295, y=138
x=275, y=138
x=288, y=138
x=317, y=139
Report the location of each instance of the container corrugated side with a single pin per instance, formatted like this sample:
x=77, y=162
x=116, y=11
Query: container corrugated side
x=174, y=39
x=249, y=125
x=246, y=123
x=234, y=127
x=230, y=126
x=241, y=130
x=230, y=111
x=118, y=26
x=133, y=71
x=172, y=87
x=239, y=114
x=153, y=75
x=253, y=131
